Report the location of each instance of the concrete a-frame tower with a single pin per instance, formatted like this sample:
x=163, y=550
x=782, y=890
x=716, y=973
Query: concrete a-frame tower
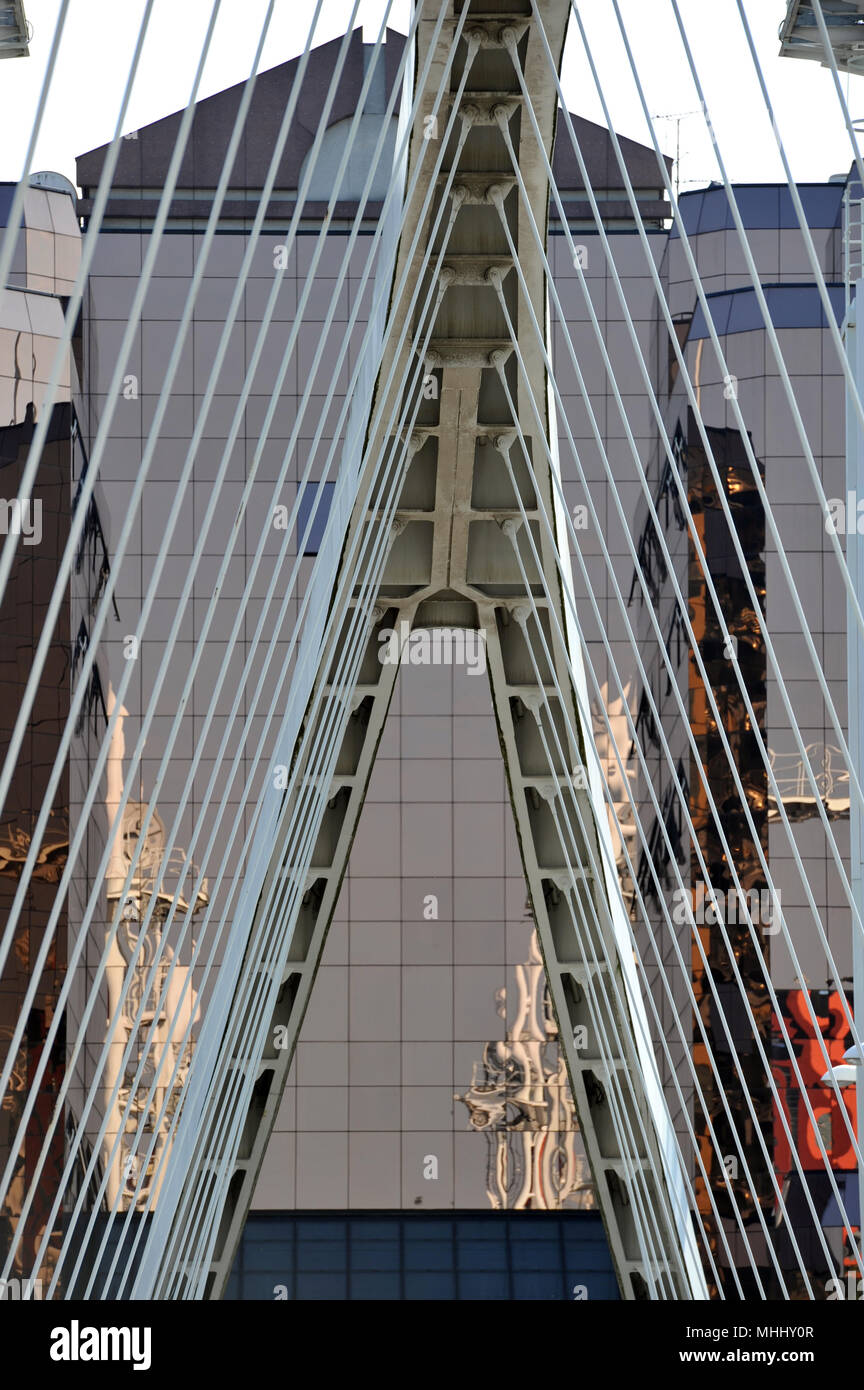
x=476, y=540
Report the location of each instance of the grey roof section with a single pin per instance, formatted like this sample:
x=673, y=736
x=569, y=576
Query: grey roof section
x=601, y=163
x=599, y=156
x=144, y=159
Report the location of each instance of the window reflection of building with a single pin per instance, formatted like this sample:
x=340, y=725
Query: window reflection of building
x=614, y=744
x=520, y=1098
x=723, y=565
x=43, y=268
x=833, y=1127
x=31, y=580
x=155, y=1030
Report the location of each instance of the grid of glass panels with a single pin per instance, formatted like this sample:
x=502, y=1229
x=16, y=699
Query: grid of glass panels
x=443, y=1256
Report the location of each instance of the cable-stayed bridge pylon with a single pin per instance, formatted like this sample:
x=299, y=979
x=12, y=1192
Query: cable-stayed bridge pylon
x=456, y=522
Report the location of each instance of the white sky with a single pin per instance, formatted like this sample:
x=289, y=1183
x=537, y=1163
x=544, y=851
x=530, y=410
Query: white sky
x=100, y=35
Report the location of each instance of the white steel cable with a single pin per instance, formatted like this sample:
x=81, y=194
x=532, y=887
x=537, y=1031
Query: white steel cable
x=812, y=256
x=42, y=424
x=819, y=283
x=63, y=342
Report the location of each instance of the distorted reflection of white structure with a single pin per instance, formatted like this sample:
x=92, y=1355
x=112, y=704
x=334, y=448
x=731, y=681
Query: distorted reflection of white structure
x=612, y=739
x=156, y=871
x=793, y=783
x=520, y=1097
